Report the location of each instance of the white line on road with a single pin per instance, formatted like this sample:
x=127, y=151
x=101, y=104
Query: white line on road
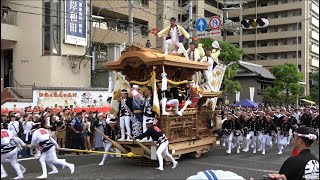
x=243, y=168
x=26, y=159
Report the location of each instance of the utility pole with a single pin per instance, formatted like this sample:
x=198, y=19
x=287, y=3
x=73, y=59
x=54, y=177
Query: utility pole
x=256, y=41
x=130, y=22
x=224, y=30
x=190, y=20
x=93, y=64
x=241, y=18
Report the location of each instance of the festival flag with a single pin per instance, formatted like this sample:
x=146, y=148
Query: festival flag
x=156, y=104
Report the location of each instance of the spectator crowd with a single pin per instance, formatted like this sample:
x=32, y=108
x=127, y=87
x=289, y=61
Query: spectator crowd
x=71, y=129
x=74, y=129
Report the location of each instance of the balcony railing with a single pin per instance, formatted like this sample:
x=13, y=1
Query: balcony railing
x=138, y=29
x=8, y=16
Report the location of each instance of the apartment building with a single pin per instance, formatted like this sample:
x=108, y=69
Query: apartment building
x=41, y=45
x=277, y=44
x=110, y=24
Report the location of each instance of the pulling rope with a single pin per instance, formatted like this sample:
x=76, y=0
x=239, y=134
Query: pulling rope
x=130, y=154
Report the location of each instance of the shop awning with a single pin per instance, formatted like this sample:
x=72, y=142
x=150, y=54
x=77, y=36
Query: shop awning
x=308, y=101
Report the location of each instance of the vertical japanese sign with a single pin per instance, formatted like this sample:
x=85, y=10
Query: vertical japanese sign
x=76, y=22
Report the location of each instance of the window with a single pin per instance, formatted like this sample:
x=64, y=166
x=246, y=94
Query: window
x=275, y=56
x=276, y=15
x=284, y=56
x=264, y=43
x=284, y=28
x=51, y=27
x=284, y=14
x=275, y=43
x=284, y=42
x=145, y=3
x=264, y=30
x=264, y=3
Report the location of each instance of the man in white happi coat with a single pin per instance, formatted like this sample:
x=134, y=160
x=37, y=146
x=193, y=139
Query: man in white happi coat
x=174, y=35
x=9, y=153
x=208, y=73
x=48, y=145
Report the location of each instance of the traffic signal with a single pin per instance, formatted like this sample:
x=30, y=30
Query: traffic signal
x=255, y=23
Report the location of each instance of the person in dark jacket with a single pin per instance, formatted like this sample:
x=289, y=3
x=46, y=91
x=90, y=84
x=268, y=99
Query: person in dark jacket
x=305, y=165
x=124, y=114
x=234, y=128
x=253, y=133
x=284, y=132
x=112, y=131
x=161, y=141
x=269, y=130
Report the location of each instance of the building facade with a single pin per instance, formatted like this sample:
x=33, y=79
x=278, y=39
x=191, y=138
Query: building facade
x=254, y=76
x=277, y=44
x=35, y=49
x=110, y=25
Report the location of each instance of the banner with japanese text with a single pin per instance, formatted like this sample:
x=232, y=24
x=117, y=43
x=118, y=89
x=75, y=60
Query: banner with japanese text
x=76, y=22
x=74, y=98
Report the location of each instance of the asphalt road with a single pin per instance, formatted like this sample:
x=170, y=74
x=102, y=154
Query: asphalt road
x=246, y=165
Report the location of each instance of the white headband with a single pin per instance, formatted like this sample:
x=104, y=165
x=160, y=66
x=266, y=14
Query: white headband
x=309, y=136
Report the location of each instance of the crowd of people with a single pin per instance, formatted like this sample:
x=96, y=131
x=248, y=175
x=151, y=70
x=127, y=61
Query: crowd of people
x=69, y=128
x=262, y=127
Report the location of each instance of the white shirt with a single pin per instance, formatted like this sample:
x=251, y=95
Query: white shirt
x=40, y=135
x=174, y=34
x=210, y=61
x=7, y=136
x=27, y=126
x=194, y=55
x=297, y=116
x=13, y=126
x=48, y=121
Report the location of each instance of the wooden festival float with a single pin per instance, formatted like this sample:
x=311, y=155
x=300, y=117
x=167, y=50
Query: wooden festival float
x=187, y=134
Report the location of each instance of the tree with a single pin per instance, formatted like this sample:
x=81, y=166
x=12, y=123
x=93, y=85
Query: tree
x=314, y=87
x=229, y=53
x=286, y=88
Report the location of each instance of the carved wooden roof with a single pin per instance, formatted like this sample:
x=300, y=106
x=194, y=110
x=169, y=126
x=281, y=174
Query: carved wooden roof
x=135, y=56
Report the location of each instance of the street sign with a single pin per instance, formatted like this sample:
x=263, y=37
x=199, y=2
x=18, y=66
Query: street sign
x=215, y=22
x=207, y=34
x=201, y=25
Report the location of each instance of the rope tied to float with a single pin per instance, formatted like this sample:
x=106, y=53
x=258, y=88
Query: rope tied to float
x=129, y=154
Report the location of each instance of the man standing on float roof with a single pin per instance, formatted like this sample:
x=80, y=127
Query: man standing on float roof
x=174, y=35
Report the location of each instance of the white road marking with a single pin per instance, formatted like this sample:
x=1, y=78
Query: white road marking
x=26, y=159
x=236, y=167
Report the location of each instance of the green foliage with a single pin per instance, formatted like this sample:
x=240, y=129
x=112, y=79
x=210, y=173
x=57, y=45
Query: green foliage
x=286, y=88
x=314, y=88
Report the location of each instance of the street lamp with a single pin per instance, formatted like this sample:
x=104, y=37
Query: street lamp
x=297, y=50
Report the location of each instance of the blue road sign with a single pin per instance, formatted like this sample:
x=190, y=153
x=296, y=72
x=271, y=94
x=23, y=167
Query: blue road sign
x=201, y=25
